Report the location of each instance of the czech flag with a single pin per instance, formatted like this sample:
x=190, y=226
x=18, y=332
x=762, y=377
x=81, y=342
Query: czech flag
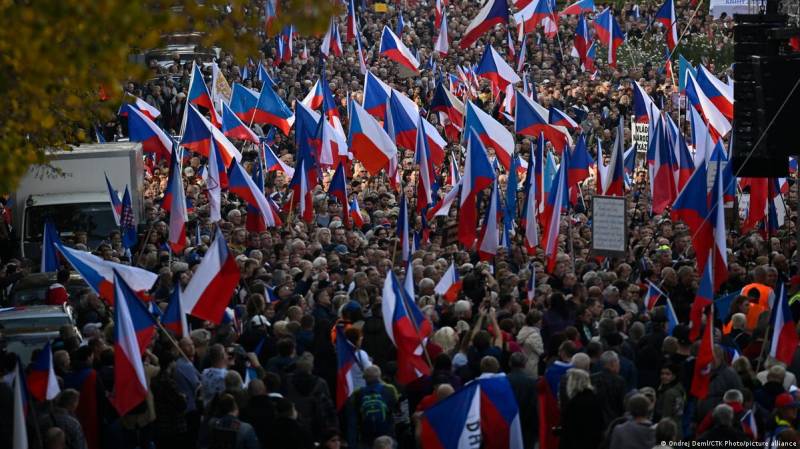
x=560, y=118
x=199, y=94
x=174, y=202
x=338, y=190
x=133, y=332
x=369, y=143
x=352, y=21
x=41, y=379
x=609, y=34
x=533, y=14
x=198, y=134
x=331, y=42
x=271, y=110
x=644, y=108
x=242, y=185
x=144, y=107
x=442, y=42
x=531, y=119
x=614, y=182
x=491, y=132
x=99, y=273
x=313, y=99
x=493, y=12
x=116, y=204
x=243, y=102
x=142, y=129
x=702, y=299
x=579, y=7
x=653, y=295
x=50, y=242
x=355, y=213
x=401, y=122
x=234, y=127
x=273, y=163
x=448, y=106
x=453, y=422
x=719, y=93
x=449, y=285
x=210, y=289
x=663, y=187
x=557, y=199
x=174, y=317
x=784, y=341
x=666, y=16
x=691, y=206
x=704, y=362
x=346, y=359
x=478, y=175
x=719, y=124
x=422, y=156
x=531, y=210
x=376, y=96
x=393, y=48
x=490, y=236
x=494, y=68
x=407, y=328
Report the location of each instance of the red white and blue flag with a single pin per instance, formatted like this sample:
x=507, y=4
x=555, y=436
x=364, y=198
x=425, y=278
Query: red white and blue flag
x=557, y=199
x=493, y=12
x=213, y=283
x=784, y=341
x=449, y=285
x=152, y=137
x=442, y=43
x=369, y=143
x=407, y=328
x=271, y=110
x=494, y=68
x=718, y=92
x=667, y=17
x=41, y=378
x=691, y=206
x=332, y=42
x=233, y=127
x=579, y=7
x=144, y=107
x=199, y=94
x=531, y=119
x=50, y=242
x=346, y=360
x=174, y=317
x=534, y=13
x=484, y=411
x=116, y=203
x=243, y=186
x=133, y=332
x=478, y=175
x=491, y=133
x=393, y=48
x=609, y=34
x=174, y=202
x=653, y=295
x=99, y=273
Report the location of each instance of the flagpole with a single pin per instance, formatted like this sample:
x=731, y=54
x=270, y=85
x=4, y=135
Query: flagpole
x=172, y=340
x=685, y=30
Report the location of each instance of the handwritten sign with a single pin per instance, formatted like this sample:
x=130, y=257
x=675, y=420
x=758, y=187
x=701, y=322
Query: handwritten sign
x=640, y=135
x=609, y=230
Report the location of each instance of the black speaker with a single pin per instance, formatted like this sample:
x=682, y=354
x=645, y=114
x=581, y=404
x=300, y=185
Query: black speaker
x=764, y=74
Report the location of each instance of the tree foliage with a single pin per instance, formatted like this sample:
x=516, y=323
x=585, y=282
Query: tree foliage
x=58, y=57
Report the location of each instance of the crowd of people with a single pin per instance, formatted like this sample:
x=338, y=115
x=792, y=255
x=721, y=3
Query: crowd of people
x=267, y=378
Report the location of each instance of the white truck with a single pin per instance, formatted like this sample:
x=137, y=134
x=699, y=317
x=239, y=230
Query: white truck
x=71, y=191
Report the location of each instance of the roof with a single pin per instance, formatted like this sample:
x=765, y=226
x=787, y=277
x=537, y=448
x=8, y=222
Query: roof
x=71, y=198
x=12, y=313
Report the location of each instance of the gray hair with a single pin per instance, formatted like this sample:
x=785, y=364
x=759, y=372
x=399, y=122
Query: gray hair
x=581, y=361
x=384, y=442
x=578, y=380
x=723, y=414
x=608, y=358
x=733, y=395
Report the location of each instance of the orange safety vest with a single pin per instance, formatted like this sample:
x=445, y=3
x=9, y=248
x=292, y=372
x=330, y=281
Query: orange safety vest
x=765, y=295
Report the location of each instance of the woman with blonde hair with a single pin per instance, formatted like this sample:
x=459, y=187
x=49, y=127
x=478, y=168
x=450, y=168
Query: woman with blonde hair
x=581, y=428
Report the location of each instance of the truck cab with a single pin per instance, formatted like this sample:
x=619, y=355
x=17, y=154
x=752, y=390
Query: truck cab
x=71, y=191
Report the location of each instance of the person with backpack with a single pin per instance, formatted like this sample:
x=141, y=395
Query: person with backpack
x=227, y=431
x=372, y=409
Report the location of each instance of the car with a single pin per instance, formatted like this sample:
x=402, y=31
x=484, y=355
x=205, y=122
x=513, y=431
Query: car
x=184, y=46
x=32, y=289
x=25, y=329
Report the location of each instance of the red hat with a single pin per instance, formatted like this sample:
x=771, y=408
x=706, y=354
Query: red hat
x=785, y=400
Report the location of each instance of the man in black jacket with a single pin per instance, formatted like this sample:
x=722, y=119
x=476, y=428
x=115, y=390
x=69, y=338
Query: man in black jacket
x=723, y=429
x=610, y=387
x=524, y=388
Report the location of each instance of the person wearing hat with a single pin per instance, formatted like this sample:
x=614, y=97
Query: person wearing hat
x=784, y=415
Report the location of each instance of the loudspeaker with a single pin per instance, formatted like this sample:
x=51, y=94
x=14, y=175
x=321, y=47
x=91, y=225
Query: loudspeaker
x=764, y=75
